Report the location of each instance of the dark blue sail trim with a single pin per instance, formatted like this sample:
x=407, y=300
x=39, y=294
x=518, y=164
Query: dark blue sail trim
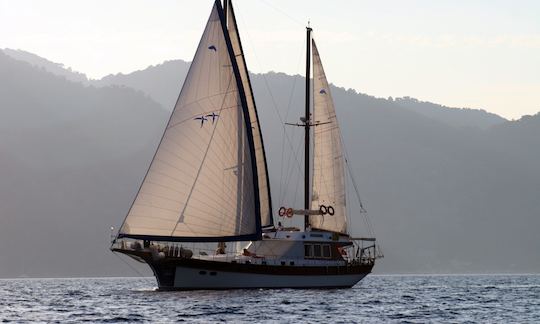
x=247, y=120
x=229, y=3
x=247, y=237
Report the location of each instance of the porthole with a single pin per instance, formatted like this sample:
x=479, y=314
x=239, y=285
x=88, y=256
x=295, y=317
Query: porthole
x=202, y=272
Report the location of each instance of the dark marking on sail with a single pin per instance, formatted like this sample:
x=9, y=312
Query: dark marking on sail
x=213, y=115
x=202, y=119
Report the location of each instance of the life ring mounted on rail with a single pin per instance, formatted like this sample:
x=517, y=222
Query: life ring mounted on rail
x=326, y=210
x=330, y=210
x=285, y=212
x=290, y=212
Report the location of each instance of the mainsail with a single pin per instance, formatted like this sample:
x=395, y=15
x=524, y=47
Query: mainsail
x=202, y=184
x=260, y=156
x=328, y=162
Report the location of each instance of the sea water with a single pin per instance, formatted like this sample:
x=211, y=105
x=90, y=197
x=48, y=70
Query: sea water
x=376, y=299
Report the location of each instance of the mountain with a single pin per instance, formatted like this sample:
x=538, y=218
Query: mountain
x=444, y=196
x=40, y=62
x=72, y=158
x=161, y=82
x=459, y=117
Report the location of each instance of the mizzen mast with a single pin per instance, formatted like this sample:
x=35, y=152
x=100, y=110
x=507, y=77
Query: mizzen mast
x=307, y=124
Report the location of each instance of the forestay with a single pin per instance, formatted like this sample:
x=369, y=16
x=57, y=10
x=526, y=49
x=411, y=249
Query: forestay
x=202, y=183
x=328, y=161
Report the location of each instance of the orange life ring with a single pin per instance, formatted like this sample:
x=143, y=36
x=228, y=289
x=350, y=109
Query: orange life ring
x=290, y=212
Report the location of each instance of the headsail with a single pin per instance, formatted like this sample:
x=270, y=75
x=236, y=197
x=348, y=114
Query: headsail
x=328, y=160
x=260, y=156
x=202, y=184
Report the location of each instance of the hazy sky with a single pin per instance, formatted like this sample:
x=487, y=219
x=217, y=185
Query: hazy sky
x=480, y=54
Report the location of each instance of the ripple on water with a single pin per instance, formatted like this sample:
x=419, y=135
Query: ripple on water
x=382, y=299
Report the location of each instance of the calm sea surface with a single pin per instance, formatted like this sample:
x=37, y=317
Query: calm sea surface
x=385, y=299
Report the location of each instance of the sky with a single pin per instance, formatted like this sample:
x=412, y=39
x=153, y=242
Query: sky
x=476, y=53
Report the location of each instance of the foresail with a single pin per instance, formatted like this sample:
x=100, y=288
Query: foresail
x=260, y=156
x=202, y=183
x=328, y=161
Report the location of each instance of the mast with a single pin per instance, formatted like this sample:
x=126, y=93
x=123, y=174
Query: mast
x=226, y=11
x=307, y=122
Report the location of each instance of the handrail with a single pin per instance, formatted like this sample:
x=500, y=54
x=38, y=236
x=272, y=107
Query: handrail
x=357, y=254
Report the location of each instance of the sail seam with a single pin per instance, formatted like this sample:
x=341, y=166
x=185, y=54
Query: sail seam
x=181, y=218
x=157, y=148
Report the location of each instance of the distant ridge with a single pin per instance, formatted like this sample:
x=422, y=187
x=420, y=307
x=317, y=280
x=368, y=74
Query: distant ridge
x=163, y=82
x=55, y=68
x=443, y=197
x=460, y=117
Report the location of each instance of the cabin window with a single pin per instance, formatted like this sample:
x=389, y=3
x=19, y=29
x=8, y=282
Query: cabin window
x=317, y=251
x=326, y=251
x=308, y=251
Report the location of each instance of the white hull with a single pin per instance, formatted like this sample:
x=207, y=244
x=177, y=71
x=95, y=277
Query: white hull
x=193, y=278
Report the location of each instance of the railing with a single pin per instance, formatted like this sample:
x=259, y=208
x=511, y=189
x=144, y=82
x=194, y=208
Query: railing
x=193, y=250
x=360, y=252
x=363, y=251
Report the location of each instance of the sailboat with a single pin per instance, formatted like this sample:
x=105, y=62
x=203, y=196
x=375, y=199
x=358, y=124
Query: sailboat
x=203, y=216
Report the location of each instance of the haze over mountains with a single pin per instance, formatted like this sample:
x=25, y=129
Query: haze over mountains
x=448, y=190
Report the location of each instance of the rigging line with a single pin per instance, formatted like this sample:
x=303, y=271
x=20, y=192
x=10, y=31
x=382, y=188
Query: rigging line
x=271, y=94
x=286, y=115
x=129, y=265
x=282, y=121
x=367, y=220
x=363, y=217
x=297, y=182
x=290, y=172
x=283, y=12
